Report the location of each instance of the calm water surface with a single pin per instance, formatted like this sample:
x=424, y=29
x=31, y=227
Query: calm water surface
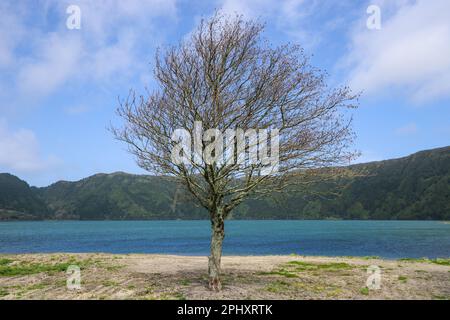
x=388, y=239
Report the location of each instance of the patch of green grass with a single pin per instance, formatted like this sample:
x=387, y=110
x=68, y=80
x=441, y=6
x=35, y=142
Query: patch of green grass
x=370, y=257
x=3, y=292
x=364, y=291
x=110, y=283
x=438, y=297
x=37, y=286
x=149, y=290
x=277, y=286
x=402, y=279
x=334, y=293
x=440, y=261
x=61, y=282
x=287, y=274
x=290, y=269
x=27, y=268
x=5, y=261
x=362, y=257
x=178, y=296
x=114, y=267
x=185, y=282
x=307, y=266
x=414, y=259
x=169, y=296
x=281, y=272
x=131, y=287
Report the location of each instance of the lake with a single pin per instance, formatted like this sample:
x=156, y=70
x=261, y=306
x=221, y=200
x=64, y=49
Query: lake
x=387, y=239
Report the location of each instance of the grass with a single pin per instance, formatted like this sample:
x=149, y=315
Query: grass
x=362, y=257
x=4, y=261
x=178, y=296
x=307, y=266
x=32, y=268
x=149, y=290
x=402, y=279
x=334, y=293
x=168, y=296
x=281, y=272
x=291, y=268
x=3, y=292
x=114, y=267
x=110, y=283
x=414, y=259
x=370, y=257
x=22, y=268
x=277, y=286
x=440, y=261
x=364, y=291
x=438, y=297
x=37, y=286
x=185, y=282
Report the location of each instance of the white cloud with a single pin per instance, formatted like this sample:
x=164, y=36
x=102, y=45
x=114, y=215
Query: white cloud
x=304, y=22
x=411, y=52
x=108, y=48
x=249, y=8
x=103, y=18
x=113, y=59
x=406, y=130
x=288, y=16
x=10, y=31
x=19, y=151
x=56, y=59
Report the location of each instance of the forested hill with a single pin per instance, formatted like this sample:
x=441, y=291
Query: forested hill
x=19, y=200
x=413, y=187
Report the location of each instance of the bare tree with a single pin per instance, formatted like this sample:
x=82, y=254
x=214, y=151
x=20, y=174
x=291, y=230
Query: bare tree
x=226, y=77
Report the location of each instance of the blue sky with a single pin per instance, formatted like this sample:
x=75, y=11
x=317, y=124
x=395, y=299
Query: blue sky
x=59, y=87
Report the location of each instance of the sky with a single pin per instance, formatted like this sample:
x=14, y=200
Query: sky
x=59, y=86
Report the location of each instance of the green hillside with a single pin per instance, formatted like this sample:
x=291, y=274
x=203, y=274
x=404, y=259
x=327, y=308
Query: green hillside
x=413, y=187
x=114, y=196
x=19, y=201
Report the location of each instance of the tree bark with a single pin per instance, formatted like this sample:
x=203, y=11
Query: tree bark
x=217, y=236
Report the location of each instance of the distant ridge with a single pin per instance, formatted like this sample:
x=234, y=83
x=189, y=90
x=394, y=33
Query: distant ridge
x=412, y=187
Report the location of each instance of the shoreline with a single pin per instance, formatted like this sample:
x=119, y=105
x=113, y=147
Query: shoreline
x=250, y=219
x=233, y=256
x=160, y=276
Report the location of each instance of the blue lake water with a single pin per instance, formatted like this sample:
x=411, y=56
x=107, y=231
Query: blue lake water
x=388, y=239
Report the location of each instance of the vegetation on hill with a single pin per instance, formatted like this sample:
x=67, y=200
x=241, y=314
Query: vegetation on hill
x=115, y=196
x=19, y=201
x=413, y=187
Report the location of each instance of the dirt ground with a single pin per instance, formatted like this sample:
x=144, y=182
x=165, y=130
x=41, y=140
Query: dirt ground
x=143, y=276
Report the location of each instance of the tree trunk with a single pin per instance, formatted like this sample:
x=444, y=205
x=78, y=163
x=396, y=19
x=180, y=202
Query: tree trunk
x=217, y=235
